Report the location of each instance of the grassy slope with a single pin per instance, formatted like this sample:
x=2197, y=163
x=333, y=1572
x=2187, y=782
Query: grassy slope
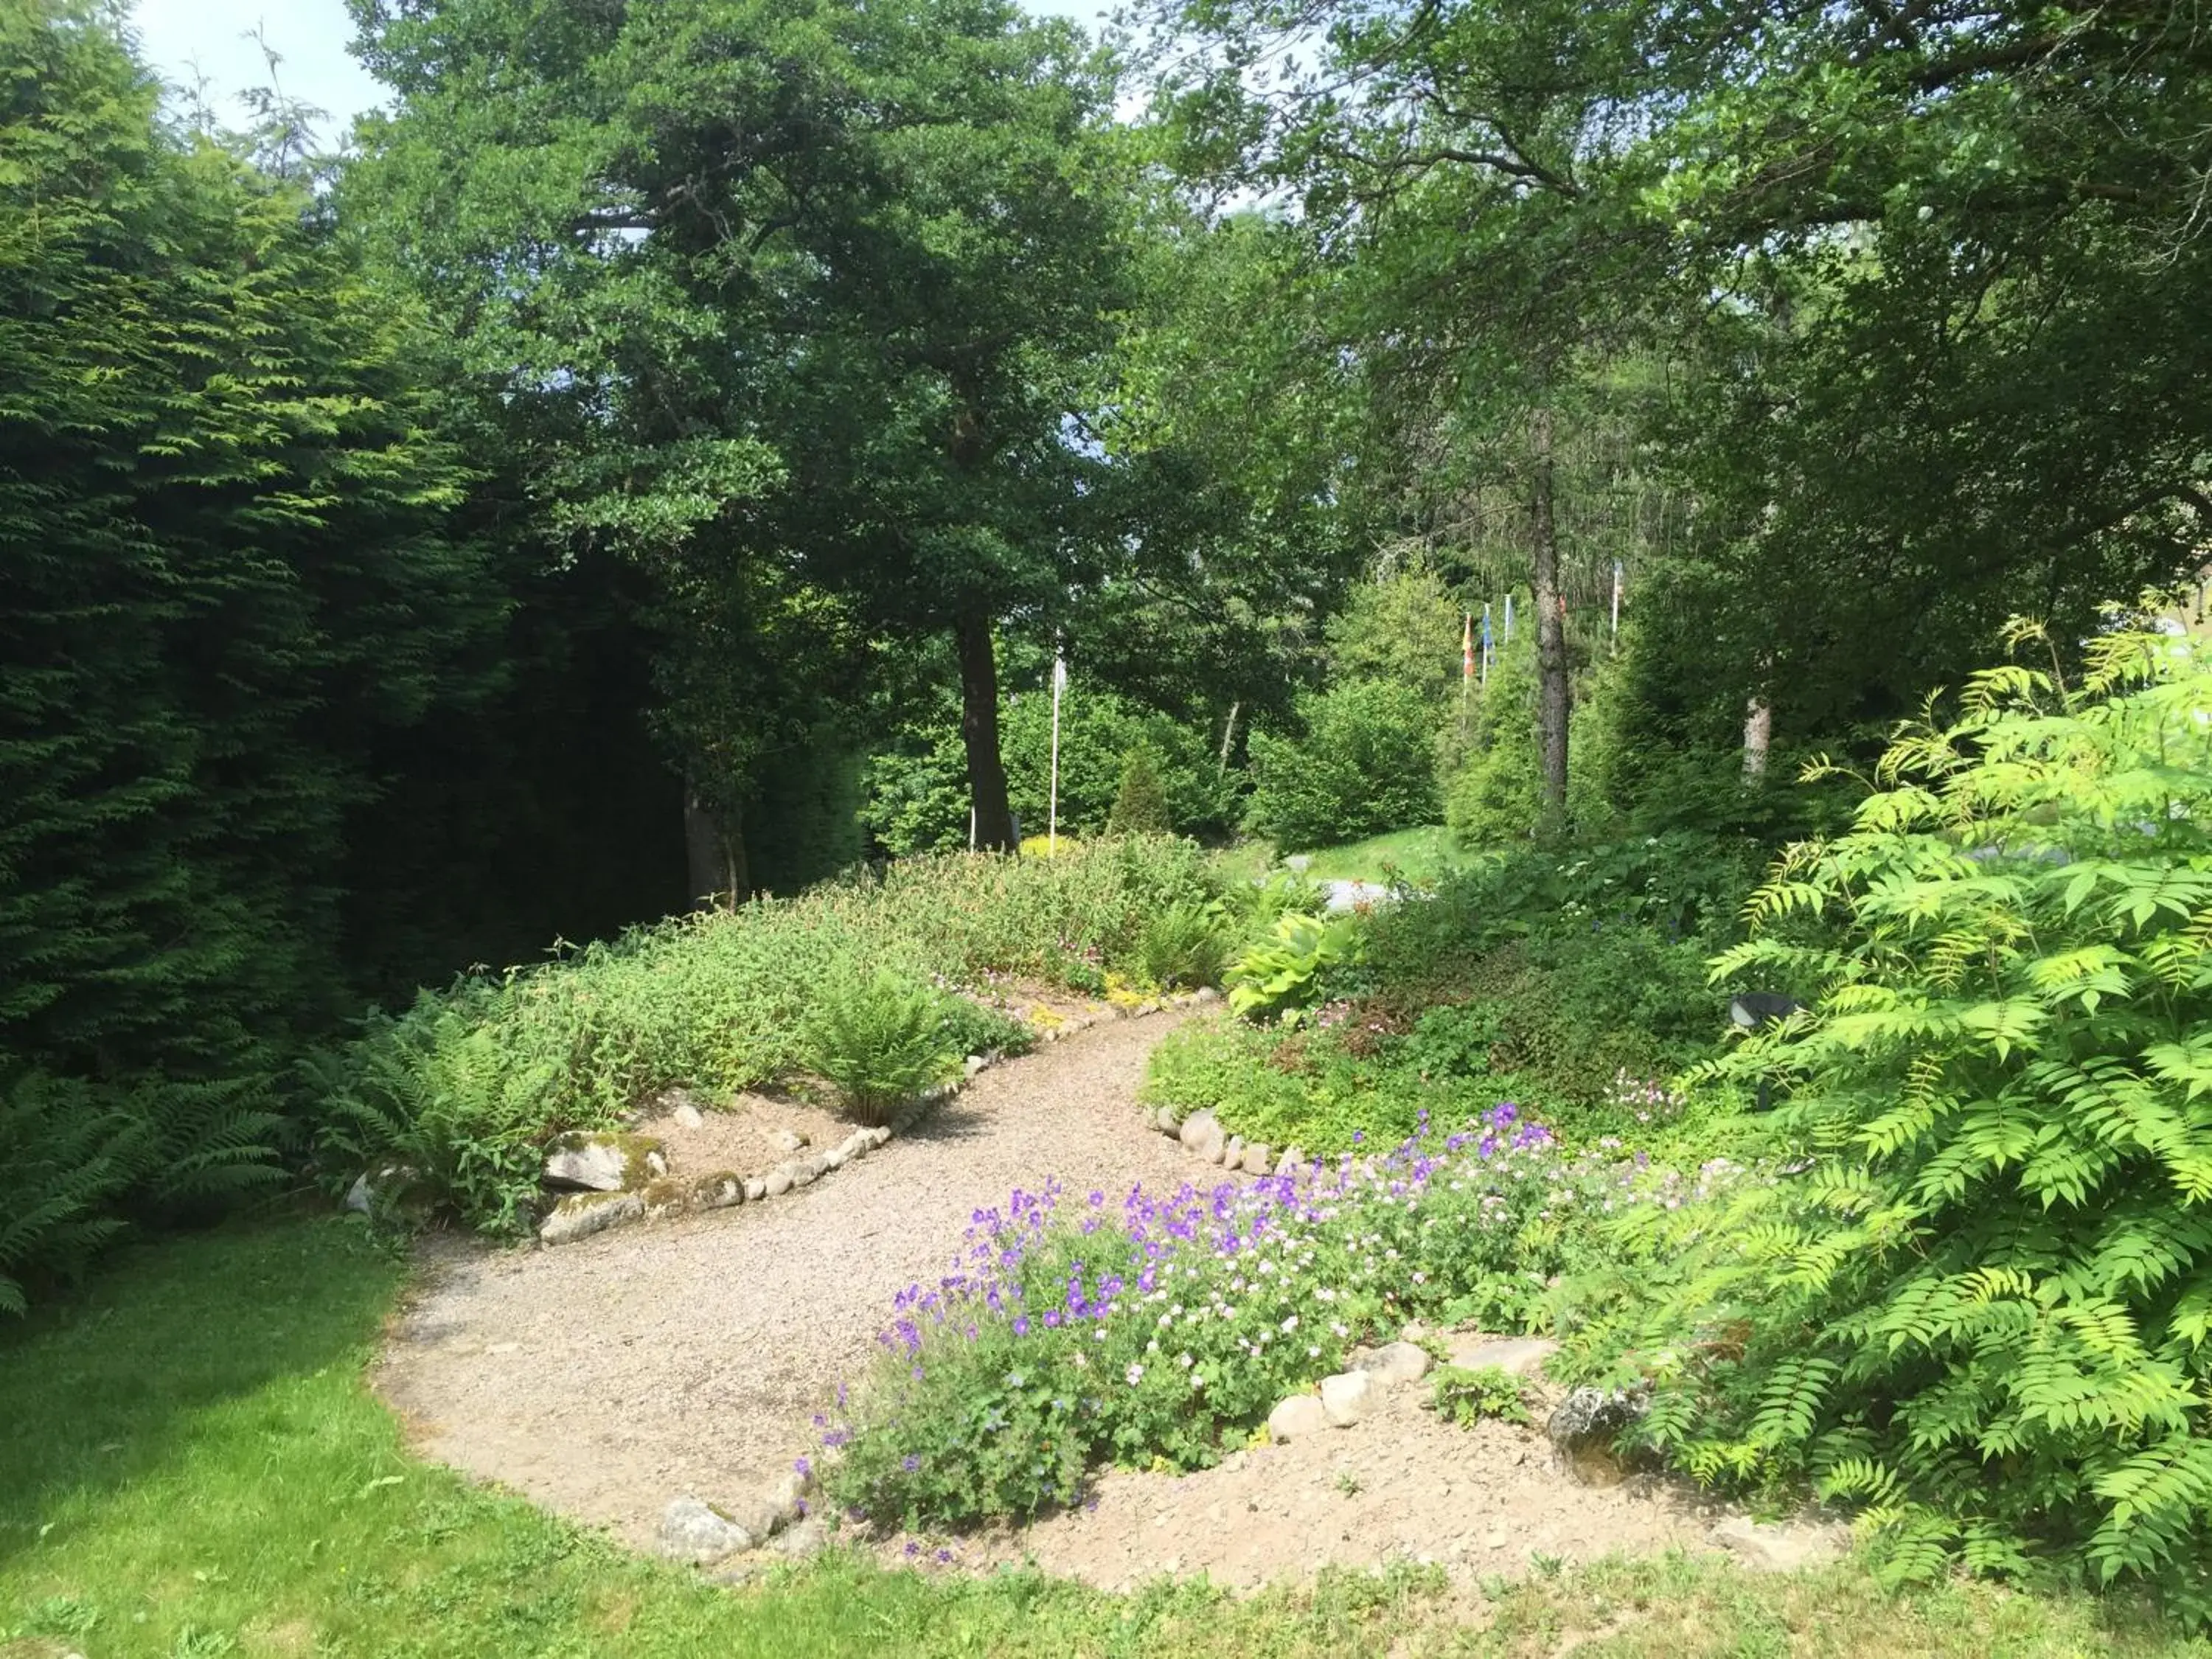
x=1420, y=855
x=190, y=1466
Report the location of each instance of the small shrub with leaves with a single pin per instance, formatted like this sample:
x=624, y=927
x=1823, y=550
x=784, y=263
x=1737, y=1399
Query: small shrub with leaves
x=1466, y=1395
x=880, y=1039
x=1287, y=971
x=1980, y=1305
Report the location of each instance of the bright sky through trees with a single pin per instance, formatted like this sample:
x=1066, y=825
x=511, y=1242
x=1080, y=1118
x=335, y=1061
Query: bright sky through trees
x=213, y=37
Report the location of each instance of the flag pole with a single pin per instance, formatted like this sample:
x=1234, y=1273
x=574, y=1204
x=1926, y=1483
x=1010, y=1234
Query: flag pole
x=1616, y=605
x=1052, y=809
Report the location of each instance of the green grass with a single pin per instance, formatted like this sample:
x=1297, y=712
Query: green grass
x=190, y=1464
x=1420, y=855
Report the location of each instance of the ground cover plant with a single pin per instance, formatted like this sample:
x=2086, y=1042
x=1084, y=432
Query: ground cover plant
x=195, y=1466
x=470, y=1084
x=1076, y=1330
x=1572, y=980
x=1980, y=1306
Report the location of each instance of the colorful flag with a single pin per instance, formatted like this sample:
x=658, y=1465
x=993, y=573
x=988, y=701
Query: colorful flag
x=1466, y=649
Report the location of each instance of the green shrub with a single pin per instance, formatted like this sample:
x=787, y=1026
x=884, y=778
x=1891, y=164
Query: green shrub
x=1466, y=1396
x=1287, y=971
x=972, y=1028
x=1185, y=944
x=1982, y=1306
x=881, y=1040
x=1365, y=764
x=1140, y=805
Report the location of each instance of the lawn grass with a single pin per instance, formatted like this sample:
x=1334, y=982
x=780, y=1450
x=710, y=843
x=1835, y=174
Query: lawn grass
x=190, y=1466
x=1419, y=855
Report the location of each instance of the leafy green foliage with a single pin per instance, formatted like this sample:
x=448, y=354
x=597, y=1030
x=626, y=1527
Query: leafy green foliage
x=1187, y=945
x=436, y=1092
x=1286, y=971
x=468, y=1086
x=1366, y=763
x=1466, y=1396
x=80, y=1156
x=880, y=1039
x=1978, y=1307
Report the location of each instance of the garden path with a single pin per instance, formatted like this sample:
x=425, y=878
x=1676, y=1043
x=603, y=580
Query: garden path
x=604, y=1378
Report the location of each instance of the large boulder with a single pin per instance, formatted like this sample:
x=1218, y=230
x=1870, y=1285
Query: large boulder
x=581, y=1214
x=593, y=1162
x=1781, y=1547
x=697, y=1532
x=1350, y=1397
x=1394, y=1363
x=1583, y=1427
x=1517, y=1356
x=1298, y=1417
x=1201, y=1132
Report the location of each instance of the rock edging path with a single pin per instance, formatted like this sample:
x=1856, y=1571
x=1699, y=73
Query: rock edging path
x=605, y=1378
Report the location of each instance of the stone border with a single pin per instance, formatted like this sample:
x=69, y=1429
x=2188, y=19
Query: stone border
x=1201, y=1136
x=581, y=1215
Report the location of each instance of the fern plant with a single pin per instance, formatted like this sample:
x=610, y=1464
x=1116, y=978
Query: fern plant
x=879, y=1039
x=1978, y=1301
x=1185, y=944
x=443, y=1094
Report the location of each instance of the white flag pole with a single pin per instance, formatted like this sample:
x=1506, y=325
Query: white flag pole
x=1616, y=605
x=1052, y=818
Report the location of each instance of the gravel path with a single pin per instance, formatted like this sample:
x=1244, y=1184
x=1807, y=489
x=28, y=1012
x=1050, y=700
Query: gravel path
x=605, y=1377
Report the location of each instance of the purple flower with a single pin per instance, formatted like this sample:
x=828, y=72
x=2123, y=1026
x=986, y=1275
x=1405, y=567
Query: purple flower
x=910, y=1463
x=804, y=1466
x=1021, y=1324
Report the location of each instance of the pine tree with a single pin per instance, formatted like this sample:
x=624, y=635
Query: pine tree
x=1140, y=807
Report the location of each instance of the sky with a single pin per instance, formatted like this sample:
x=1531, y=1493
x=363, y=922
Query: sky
x=186, y=40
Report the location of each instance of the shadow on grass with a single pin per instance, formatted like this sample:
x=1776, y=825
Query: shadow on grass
x=101, y=1389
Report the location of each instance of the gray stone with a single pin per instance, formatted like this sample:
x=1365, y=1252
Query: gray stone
x=581, y=1214
x=688, y=1116
x=721, y=1190
x=755, y=1189
x=1202, y=1133
x=786, y=1140
x=1350, y=1397
x=699, y=1533
x=1299, y=862
x=837, y=1157
x=1293, y=1162
x=1583, y=1429
x=1517, y=1356
x=1205, y=993
x=778, y=1181
x=1166, y=1121
x=973, y=1063
x=1232, y=1155
x=1259, y=1158
x=396, y=1189
x=878, y=1136
x=603, y=1163
x=1782, y=1548
x=1300, y=1415
x=1394, y=1363
x=787, y=1496
x=808, y=1537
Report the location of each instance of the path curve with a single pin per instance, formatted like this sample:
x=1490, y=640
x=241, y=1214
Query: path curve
x=605, y=1377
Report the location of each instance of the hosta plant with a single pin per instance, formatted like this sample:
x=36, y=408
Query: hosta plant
x=1286, y=971
x=1979, y=1305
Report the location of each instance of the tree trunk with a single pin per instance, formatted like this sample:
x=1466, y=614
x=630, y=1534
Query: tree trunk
x=714, y=851
x=1757, y=736
x=1552, y=690
x=1227, y=737
x=979, y=731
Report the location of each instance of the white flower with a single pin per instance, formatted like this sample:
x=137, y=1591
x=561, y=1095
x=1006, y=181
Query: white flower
x=1290, y=1324
x=1135, y=1374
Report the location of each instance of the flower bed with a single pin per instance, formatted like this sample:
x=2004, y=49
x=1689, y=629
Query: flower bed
x=1076, y=1331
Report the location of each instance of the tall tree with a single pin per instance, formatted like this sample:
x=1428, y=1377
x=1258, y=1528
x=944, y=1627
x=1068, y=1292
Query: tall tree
x=224, y=577
x=784, y=293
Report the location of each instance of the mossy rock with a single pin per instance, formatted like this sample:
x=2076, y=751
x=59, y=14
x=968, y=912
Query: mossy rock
x=604, y=1161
